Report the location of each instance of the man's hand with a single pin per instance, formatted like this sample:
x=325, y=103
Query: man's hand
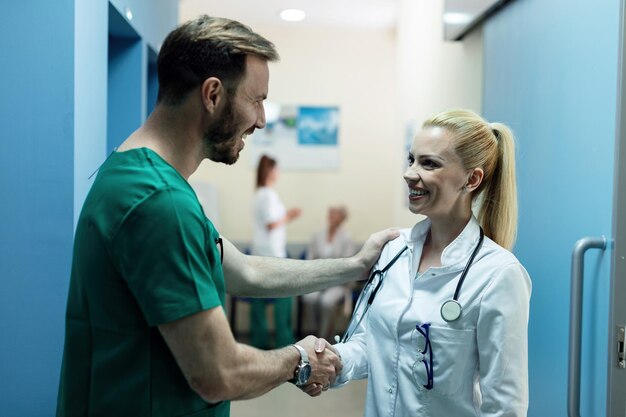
x=325, y=365
x=370, y=252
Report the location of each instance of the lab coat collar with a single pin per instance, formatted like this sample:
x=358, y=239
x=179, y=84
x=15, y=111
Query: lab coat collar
x=456, y=253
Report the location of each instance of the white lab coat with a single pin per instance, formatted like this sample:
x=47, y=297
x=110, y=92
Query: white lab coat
x=480, y=361
x=268, y=208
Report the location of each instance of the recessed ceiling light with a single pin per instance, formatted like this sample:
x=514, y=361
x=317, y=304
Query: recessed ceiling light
x=128, y=13
x=457, y=18
x=292, y=15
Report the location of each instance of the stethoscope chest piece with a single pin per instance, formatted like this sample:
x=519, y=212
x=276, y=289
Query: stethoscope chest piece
x=451, y=310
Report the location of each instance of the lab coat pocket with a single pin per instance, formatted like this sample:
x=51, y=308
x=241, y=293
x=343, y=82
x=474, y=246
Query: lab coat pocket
x=453, y=358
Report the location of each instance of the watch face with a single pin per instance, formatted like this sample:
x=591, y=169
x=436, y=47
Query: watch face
x=304, y=374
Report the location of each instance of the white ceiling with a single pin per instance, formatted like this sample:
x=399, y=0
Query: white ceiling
x=373, y=14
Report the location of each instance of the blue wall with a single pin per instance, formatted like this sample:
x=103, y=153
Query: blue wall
x=550, y=71
x=90, y=95
x=126, y=104
x=153, y=19
x=53, y=114
x=153, y=81
x=36, y=165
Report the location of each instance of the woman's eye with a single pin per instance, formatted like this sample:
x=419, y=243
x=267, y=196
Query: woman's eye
x=410, y=160
x=429, y=164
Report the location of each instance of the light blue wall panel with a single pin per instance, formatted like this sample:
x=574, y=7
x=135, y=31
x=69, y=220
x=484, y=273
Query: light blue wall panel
x=550, y=71
x=90, y=95
x=126, y=101
x=153, y=19
x=36, y=208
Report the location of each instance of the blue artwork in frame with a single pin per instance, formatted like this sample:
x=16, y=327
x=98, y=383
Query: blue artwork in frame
x=300, y=137
x=318, y=126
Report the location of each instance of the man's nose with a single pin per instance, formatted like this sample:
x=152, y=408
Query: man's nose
x=260, y=120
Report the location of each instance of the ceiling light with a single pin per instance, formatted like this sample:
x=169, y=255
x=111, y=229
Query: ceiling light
x=457, y=18
x=292, y=15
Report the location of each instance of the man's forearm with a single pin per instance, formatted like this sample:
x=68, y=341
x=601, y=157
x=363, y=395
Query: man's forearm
x=278, y=277
x=260, y=371
x=255, y=276
x=216, y=366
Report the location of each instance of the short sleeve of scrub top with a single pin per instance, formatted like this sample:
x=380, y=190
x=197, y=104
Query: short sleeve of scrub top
x=161, y=249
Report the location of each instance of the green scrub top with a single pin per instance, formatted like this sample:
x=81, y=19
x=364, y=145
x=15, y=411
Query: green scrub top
x=144, y=254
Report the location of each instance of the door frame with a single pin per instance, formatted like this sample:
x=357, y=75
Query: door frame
x=616, y=384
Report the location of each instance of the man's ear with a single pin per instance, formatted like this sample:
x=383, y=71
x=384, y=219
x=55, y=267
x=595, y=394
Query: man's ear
x=475, y=179
x=212, y=93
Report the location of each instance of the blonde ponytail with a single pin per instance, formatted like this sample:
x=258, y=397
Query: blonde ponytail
x=498, y=210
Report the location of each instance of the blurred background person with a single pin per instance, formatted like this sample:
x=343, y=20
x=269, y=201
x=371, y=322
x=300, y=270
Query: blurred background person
x=332, y=242
x=270, y=219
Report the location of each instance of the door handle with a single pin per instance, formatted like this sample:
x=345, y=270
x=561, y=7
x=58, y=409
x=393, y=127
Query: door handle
x=575, y=319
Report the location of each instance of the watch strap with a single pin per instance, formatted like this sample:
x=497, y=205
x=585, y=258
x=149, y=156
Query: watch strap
x=303, y=363
x=304, y=357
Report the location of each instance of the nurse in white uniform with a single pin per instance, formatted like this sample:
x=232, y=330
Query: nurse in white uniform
x=446, y=333
x=270, y=219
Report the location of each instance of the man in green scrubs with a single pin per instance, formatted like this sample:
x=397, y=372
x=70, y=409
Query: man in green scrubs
x=146, y=333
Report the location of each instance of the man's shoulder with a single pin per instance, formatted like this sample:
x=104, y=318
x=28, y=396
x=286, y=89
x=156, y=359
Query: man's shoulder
x=135, y=192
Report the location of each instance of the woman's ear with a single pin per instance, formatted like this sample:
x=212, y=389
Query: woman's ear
x=475, y=179
x=212, y=91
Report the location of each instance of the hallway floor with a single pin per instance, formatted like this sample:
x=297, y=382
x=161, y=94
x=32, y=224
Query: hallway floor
x=289, y=401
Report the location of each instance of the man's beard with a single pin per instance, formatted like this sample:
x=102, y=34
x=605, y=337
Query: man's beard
x=221, y=138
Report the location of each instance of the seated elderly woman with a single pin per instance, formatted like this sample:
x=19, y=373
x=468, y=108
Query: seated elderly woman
x=332, y=242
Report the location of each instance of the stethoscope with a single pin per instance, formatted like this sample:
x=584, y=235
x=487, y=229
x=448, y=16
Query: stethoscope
x=450, y=311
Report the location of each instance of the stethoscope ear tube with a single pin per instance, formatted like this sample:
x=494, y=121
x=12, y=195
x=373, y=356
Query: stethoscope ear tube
x=451, y=310
x=353, y=325
x=381, y=272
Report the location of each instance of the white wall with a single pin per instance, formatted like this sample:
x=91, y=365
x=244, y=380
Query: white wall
x=432, y=75
x=380, y=79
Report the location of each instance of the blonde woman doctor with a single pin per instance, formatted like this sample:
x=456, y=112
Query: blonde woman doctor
x=446, y=332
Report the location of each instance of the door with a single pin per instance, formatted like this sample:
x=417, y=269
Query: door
x=551, y=71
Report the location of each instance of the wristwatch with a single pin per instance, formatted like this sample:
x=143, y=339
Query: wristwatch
x=303, y=370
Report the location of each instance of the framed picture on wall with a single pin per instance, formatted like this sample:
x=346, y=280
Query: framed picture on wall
x=299, y=137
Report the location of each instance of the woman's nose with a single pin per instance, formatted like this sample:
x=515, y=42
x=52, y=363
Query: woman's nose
x=412, y=174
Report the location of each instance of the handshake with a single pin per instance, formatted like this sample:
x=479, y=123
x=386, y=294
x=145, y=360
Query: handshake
x=319, y=365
